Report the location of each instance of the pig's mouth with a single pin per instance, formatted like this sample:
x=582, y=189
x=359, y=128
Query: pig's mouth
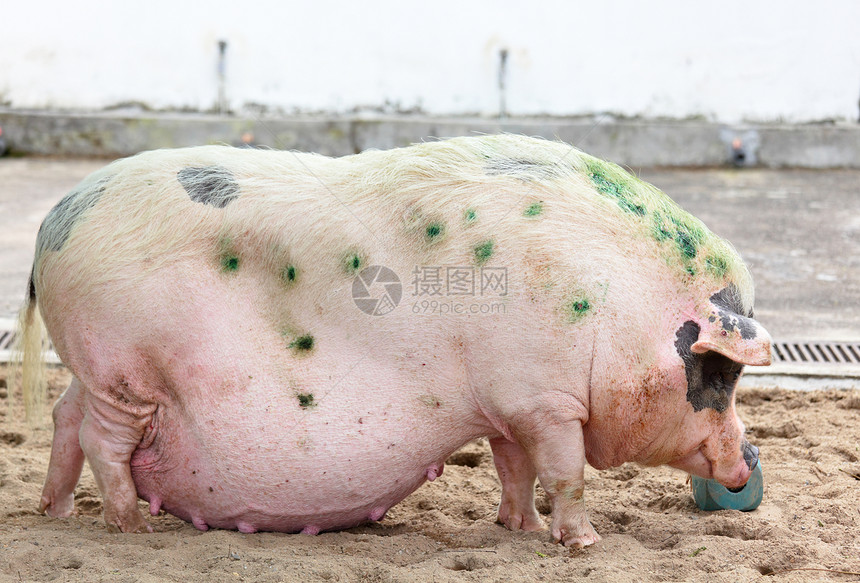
x=695, y=463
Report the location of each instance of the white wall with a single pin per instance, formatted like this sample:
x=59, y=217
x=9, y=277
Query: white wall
x=728, y=61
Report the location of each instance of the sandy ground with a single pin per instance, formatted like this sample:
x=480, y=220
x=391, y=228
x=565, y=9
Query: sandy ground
x=651, y=528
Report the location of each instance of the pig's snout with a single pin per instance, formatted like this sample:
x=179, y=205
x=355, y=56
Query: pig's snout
x=750, y=454
x=740, y=470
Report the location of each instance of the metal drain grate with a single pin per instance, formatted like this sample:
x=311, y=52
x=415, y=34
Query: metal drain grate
x=7, y=338
x=7, y=344
x=830, y=353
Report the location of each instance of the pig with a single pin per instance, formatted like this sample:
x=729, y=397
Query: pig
x=203, y=299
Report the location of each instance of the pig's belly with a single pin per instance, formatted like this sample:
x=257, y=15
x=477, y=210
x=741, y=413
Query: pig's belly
x=266, y=464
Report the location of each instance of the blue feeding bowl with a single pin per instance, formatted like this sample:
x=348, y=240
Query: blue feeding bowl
x=711, y=495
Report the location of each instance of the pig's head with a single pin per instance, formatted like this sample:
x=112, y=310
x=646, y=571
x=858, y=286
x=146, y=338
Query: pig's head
x=712, y=349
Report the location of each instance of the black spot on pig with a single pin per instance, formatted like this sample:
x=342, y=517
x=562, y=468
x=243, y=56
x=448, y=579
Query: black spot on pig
x=729, y=298
x=212, y=185
x=58, y=225
x=711, y=377
x=732, y=314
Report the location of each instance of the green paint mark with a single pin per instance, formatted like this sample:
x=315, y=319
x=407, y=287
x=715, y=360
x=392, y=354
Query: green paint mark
x=306, y=400
x=229, y=262
x=636, y=209
x=534, y=209
x=717, y=265
x=305, y=342
x=616, y=187
x=686, y=244
x=578, y=305
x=577, y=309
x=289, y=274
x=470, y=216
x=227, y=257
x=435, y=230
x=603, y=184
x=484, y=251
x=352, y=263
x=660, y=229
x=687, y=236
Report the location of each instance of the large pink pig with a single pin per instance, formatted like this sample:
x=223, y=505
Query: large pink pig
x=223, y=371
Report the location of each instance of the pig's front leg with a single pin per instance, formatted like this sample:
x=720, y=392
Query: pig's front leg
x=557, y=450
x=109, y=437
x=517, y=475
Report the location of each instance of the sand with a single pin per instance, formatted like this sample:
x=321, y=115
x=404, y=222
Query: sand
x=446, y=531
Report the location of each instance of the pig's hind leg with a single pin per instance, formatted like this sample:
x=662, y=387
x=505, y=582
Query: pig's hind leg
x=67, y=457
x=111, y=430
x=517, y=475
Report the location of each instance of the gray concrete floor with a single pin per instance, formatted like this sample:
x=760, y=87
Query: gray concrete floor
x=799, y=231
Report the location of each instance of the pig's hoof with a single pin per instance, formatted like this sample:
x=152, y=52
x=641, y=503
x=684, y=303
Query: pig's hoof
x=132, y=522
x=574, y=539
x=61, y=507
x=529, y=521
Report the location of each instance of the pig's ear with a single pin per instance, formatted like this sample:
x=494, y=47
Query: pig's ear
x=737, y=337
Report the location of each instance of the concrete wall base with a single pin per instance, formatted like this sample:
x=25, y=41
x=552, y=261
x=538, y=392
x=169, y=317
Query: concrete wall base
x=635, y=143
